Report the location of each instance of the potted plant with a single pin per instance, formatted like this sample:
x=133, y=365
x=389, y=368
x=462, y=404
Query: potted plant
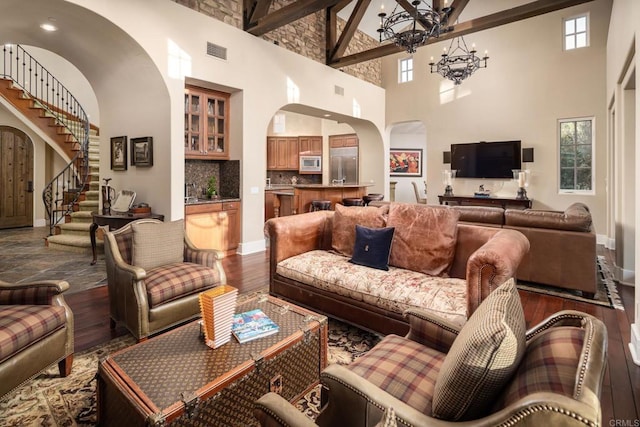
x=211, y=188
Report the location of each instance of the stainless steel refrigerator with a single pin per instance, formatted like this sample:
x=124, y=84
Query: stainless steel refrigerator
x=344, y=165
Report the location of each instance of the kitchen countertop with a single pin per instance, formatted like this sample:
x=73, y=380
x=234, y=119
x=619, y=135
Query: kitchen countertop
x=209, y=201
x=316, y=186
x=278, y=187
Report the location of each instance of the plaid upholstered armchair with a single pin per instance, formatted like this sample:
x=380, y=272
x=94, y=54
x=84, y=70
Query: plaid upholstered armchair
x=154, y=275
x=489, y=372
x=36, y=331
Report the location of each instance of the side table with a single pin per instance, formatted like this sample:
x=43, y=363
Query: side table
x=114, y=222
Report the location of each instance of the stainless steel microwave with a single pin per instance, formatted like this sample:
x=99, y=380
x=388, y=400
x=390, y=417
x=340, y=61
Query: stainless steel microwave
x=310, y=164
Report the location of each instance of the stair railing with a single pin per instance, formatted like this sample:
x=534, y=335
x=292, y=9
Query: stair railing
x=61, y=194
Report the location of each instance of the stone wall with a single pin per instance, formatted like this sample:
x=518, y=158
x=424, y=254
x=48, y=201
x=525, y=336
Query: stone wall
x=306, y=36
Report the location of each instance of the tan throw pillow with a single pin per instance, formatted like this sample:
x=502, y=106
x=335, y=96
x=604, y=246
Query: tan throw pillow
x=344, y=224
x=157, y=244
x=483, y=357
x=425, y=237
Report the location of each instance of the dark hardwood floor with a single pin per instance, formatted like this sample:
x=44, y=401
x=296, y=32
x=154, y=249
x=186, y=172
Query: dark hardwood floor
x=621, y=386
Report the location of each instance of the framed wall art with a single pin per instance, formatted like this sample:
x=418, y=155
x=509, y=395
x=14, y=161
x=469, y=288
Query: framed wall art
x=119, y=153
x=405, y=162
x=142, y=151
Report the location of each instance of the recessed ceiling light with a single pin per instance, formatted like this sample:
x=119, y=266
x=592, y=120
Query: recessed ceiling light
x=49, y=27
x=327, y=115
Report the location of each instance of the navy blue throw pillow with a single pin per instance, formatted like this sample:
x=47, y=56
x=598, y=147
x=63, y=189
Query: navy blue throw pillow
x=373, y=246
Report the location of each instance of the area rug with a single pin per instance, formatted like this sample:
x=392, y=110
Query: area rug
x=606, y=295
x=51, y=401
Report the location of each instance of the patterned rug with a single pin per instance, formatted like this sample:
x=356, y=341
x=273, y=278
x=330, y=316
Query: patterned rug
x=606, y=294
x=49, y=400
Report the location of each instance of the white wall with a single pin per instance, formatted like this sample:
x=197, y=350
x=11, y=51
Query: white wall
x=529, y=84
x=622, y=65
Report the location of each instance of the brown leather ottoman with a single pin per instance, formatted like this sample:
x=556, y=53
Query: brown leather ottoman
x=175, y=379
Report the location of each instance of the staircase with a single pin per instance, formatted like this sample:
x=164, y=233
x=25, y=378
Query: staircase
x=73, y=234
x=72, y=195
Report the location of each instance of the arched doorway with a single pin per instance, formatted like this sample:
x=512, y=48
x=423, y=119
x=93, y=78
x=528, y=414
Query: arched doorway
x=16, y=178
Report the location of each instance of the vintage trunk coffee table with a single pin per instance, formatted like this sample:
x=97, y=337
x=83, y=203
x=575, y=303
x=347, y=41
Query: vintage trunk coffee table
x=175, y=379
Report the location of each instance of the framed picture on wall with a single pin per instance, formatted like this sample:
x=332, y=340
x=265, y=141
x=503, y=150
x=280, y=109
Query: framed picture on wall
x=119, y=153
x=142, y=151
x=405, y=162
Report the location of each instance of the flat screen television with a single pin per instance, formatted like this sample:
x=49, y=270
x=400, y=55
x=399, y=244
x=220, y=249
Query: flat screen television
x=486, y=159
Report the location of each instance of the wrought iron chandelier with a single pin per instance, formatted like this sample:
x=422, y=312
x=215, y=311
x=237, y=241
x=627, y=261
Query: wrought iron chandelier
x=459, y=62
x=412, y=29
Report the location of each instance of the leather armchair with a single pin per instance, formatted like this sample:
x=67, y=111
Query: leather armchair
x=150, y=301
x=526, y=400
x=36, y=331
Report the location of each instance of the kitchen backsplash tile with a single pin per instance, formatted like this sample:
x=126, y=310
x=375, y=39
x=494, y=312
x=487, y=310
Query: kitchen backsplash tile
x=227, y=174
x=284, y=177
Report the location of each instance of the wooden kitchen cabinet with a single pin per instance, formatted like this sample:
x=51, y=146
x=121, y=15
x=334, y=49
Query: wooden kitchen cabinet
x=348, y=140
x=282, y=153
x=311, y=145
x=206, y=124
x=214, y=225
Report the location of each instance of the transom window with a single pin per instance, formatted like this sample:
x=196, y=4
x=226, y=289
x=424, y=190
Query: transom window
x=576, y=155
x=406, y=70
x=576, y=32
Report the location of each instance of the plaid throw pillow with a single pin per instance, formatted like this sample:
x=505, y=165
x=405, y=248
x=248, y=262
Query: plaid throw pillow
x=157, y=244
x=483, y=358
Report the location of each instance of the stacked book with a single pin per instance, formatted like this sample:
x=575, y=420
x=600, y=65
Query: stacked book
x=218, y=305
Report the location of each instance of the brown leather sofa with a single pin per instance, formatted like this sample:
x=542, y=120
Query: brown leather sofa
x=563, y=243
x=36, y=331
x=483, y=258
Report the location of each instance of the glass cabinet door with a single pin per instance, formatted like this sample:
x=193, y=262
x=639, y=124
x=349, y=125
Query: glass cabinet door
x=205, y=129
x=192, y=129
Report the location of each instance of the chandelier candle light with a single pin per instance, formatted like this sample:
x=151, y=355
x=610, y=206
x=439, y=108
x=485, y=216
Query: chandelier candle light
x=411, y=29
x=459, y=62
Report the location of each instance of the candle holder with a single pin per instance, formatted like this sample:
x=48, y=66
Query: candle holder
x=447, y=177
x=522, y=194
x=522, y=177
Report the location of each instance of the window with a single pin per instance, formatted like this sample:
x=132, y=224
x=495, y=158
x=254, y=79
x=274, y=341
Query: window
x=576, y=32
x=406, y=70
x=576, y=155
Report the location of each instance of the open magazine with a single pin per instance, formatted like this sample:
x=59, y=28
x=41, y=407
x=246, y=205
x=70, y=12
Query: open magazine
x=251, y=325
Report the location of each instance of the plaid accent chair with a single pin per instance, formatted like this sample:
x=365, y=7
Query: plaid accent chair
x=36, y=331
x=489, y=372
x=155, y=274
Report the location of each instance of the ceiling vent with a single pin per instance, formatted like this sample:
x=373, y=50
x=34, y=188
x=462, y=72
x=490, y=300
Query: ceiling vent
x=217, y=51
x=339, y=90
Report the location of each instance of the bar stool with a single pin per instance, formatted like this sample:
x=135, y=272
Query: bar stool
x=352, y=201
x=320, y=205
x=371, y=197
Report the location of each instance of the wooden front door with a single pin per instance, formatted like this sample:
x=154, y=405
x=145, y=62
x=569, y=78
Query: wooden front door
x=16, y=178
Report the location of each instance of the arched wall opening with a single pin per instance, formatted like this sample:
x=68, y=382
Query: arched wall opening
x=408, y=139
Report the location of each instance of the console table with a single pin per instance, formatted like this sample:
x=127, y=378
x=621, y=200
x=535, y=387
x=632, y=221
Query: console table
x=114, y=222
x=503, y=202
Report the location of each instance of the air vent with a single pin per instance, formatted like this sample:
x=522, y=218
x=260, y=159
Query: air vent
x=217, y=51
x=339, y=90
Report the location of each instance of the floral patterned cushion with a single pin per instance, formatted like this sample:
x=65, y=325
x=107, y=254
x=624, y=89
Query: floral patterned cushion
x=394, y=290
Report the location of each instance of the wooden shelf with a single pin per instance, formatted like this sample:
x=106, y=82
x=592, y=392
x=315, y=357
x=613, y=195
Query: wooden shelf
x=503, y=202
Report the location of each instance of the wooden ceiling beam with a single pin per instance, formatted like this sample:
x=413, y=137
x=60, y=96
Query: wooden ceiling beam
x=456, y=9
x=529, y=10
x=287, y=14
x=260, y=8
x=349, y=29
